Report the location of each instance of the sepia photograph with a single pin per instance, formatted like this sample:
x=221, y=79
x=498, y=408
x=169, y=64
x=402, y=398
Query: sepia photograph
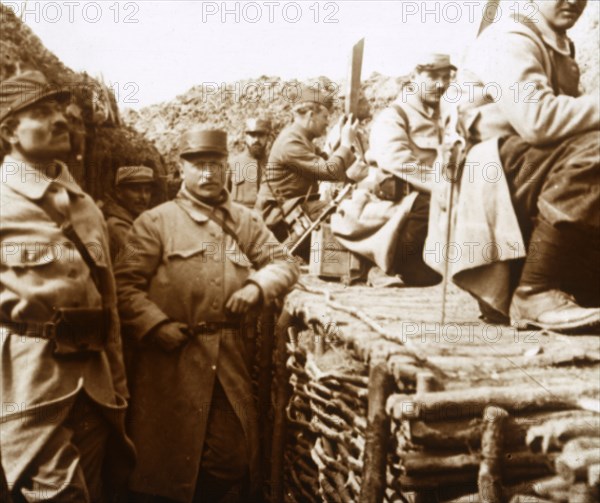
x=300, y=251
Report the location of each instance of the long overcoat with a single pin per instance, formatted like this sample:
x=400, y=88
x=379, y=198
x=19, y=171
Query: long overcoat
x=521, y=81
x=183, y=267
x=406, y=147
x=41, y=270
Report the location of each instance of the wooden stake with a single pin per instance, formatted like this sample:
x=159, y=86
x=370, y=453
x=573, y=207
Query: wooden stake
x=281, y=400
x=489, y=480
x=377, y=435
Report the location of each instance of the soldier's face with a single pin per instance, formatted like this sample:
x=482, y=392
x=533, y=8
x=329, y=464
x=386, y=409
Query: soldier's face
x=42, y=132
x=319, y=121
x=561, y=14
x=204, y=174
x=256, y=141
x=135, y=197
x=432, y=84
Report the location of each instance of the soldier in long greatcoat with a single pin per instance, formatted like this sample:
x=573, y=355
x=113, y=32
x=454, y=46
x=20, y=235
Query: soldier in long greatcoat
x=529, y=194
x=63, y=381
x=197, y=268
x=388, y=224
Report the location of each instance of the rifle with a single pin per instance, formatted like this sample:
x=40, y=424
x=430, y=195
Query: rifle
x=330, y=208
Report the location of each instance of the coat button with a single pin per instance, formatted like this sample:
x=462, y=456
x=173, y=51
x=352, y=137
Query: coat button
x=214, y=367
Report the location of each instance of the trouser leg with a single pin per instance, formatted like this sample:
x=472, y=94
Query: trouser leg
x=408, y=259
x=225, y=458
x=68, y=468
x=555, y=196
x=90, y=434
x=558, y=185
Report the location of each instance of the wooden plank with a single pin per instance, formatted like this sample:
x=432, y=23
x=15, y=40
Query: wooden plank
x=354, y=74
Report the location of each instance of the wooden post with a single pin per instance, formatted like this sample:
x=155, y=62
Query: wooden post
x=265, y=370
x=377, y=435
x=489, y=480
x=282, y=397
x=427, y=382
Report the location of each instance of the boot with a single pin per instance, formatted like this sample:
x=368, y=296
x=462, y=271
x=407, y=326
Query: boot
x=538, y=300
x=377, y=278
x=552, y=310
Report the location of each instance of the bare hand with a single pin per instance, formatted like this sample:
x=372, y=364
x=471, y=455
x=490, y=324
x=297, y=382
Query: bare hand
x=244, y=299
x=358, y=171
x=169, y=336
x=349, y=132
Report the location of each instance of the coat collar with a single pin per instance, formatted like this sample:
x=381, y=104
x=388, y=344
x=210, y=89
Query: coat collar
x=26, y=180
x=558, y=42
x=413, y=101
x=113, y=209
x=197, y=210
x=301, y=131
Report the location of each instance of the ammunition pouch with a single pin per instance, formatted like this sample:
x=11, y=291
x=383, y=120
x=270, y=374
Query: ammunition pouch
x=291, y=219
x=76, y=330
x=391, y=188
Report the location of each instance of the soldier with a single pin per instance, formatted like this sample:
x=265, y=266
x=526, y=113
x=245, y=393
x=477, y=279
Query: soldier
x=200, y=266
x=133, y=191
x=63, y=381
x=245, y=169
x=404, y=145
x=526, y=109
x=296, y=164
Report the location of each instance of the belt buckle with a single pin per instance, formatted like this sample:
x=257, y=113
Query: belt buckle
x=206, y=328
x=211, y=327
x=49, y=330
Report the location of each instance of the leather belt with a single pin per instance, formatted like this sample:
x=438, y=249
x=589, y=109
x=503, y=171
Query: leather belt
x=212, y=327
x=72, y=330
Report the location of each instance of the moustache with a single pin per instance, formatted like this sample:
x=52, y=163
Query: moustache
x=60, y=128
x=571, y=9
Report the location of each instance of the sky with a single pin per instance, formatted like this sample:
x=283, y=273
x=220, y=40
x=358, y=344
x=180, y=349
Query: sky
x=151, y=51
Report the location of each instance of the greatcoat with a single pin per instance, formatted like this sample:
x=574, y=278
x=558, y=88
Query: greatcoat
x=118, y=221
x=183, y=267
x=406, y=149
x=517, y=80
x=243, y=178
x=41, y=270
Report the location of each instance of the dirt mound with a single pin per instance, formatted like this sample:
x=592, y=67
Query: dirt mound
x=102, y=142
x=230, y=104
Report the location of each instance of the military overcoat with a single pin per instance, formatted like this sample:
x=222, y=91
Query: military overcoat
x=183, y=267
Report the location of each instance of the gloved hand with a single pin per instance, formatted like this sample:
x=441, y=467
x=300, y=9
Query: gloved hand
x=169, y=335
